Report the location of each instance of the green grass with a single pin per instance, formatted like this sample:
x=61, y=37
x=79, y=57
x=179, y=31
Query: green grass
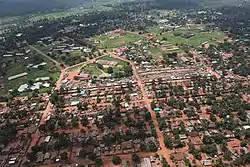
x=42, y=48
x=117, y=41
x=92, y=69
x=155, y=52
x=20, y=67
x=120, y=62
x=74, y=68
x=198, y=39
x=76, y=53
x=154, y=30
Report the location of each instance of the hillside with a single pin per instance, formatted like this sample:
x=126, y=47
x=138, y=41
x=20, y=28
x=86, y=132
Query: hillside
x=21, y=7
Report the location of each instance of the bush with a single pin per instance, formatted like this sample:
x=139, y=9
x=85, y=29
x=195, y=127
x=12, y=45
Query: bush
x=116, y=160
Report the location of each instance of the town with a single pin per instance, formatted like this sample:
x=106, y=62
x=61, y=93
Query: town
x=147, y=87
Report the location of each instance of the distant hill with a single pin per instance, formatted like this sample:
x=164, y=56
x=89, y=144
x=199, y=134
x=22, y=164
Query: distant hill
x=20, y=7
x=196, y=3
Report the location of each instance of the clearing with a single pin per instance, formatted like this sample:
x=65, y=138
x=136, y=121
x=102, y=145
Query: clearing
x=114, y=39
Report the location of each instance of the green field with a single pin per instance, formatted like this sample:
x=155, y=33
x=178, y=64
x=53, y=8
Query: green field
x=94, y=70
x=20, y=67
x=107, y=42
x=119, y=67
x=199, y=38
x=42, y=48
x=155, y=52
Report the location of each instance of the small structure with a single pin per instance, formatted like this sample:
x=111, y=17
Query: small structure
x=83, y=76
x=145, y=162
x=107, y=63
x=23, y=88
x=178, y=156
x=42, y=79
x=206, y=162
x=18, y=76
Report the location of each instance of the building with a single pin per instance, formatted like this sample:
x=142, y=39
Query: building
x=145, y=162
x=83, y=76
x=107, y=63
x=23, y=88
x=42, y=79
x=18, y=76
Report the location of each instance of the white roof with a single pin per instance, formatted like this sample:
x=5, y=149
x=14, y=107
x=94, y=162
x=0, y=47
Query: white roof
x=11, y=162
x=18, y=76
x=246, y=127
x=23, y=88
x=47, y=139
x=41, y=64
x=145, y=162
x=36, y=86
x=46, y=85
x=42, y=78
x=73, y=103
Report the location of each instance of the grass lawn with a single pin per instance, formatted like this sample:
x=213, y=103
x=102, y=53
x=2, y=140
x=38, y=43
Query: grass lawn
x=71, y=58
x=198, y=39
x=42, y=48
x=76, y=53
x=74, y=68
x=92, y=69
x=155, y=52
x=118, y=40
x=154, y=30
x=120, y=64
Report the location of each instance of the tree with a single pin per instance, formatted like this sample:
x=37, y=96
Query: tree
x=127, y=97
x=152, y=146
x=30, y=82
x=212, y=117
x=100, y=66
x=64, y=156
x=79, y=106
x=85, y=105
x=84, y=121
x=168, y=142
x=165, y=163
x=219, y=138
x=209, y=149
x=116, y=160
x=32, y=156
x=247, y=133
x=135, y=158
x=207, y=140
x=227, y=155
x=98, y=162
x=143, y=147
x=243, y=143
x=82, y=153
x=147, y=116
x=54, y=98
x=110, y=70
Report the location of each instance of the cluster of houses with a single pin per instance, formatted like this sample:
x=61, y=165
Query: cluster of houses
x=63, y=46
x=101, y=90
x=40, y=82
x=25, y=115
x=84, y=143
